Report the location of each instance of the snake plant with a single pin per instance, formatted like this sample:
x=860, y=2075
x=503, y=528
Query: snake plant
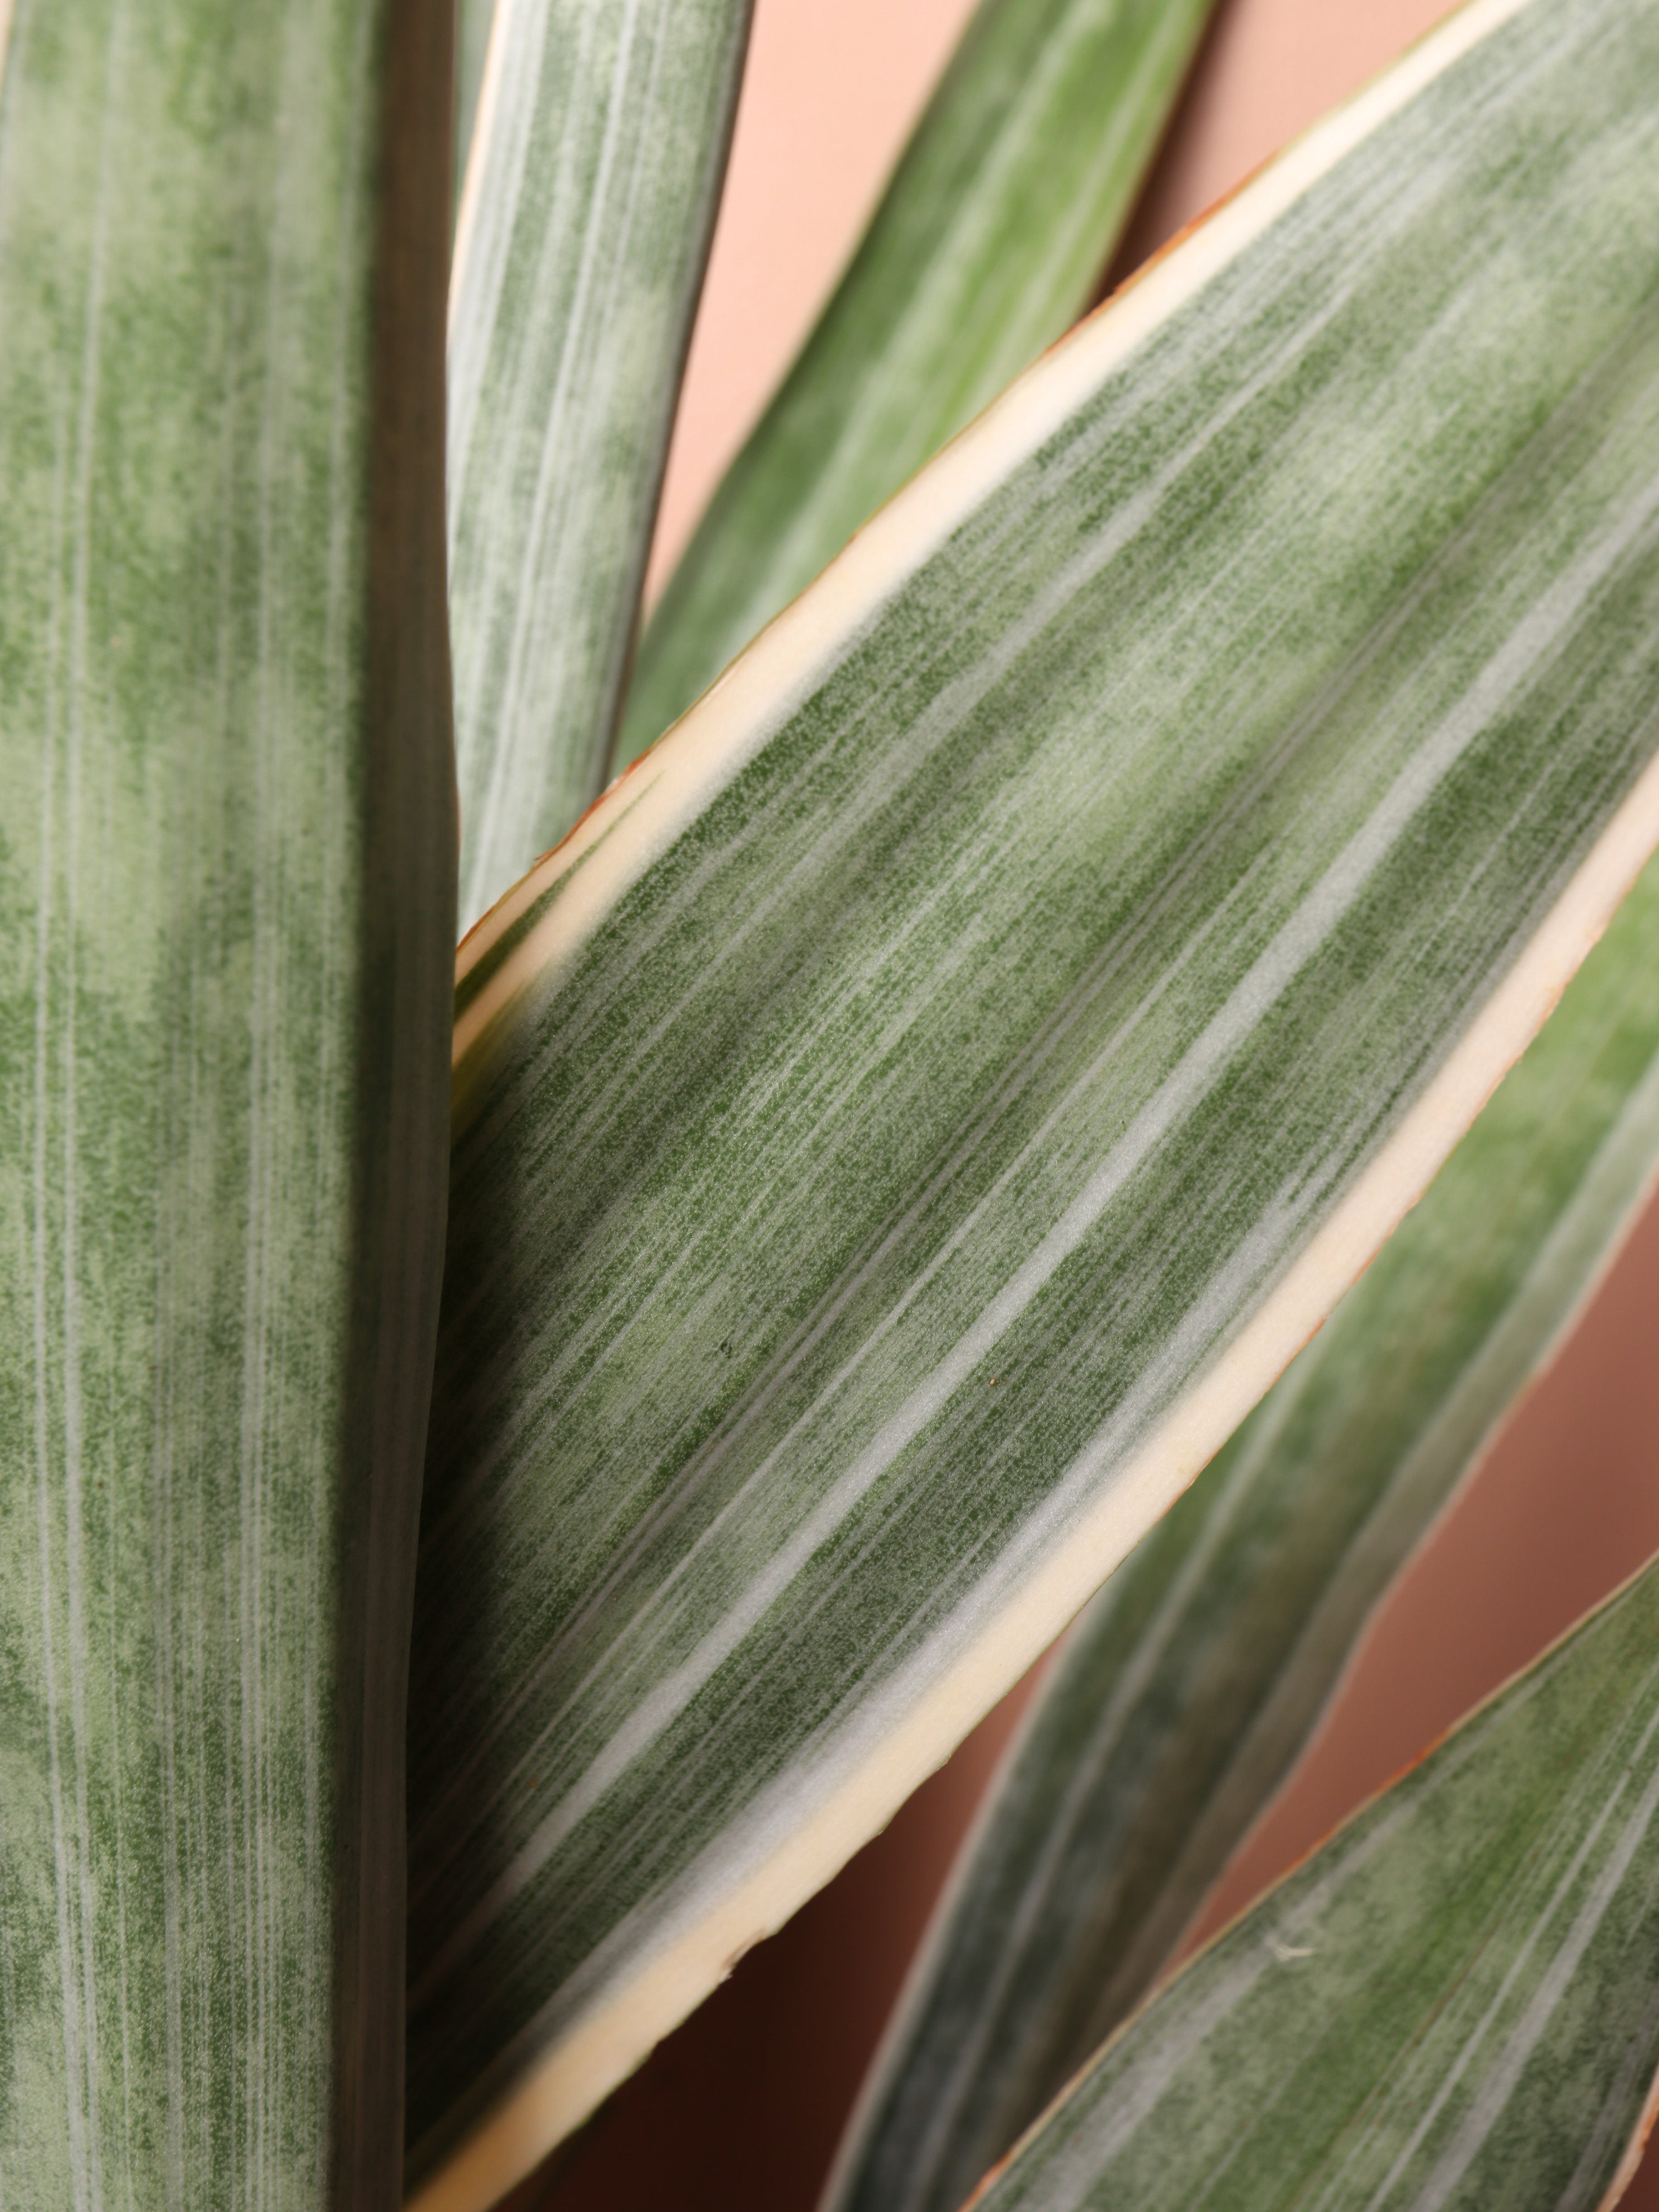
x=850, y=1187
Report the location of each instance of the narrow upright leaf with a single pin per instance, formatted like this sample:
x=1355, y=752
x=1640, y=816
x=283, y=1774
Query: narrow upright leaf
x=1454, y=2006
x=988, y=244
x=473, y=18
x=1188, y=1688
x=904, y=1131
x=602, y=128
x=228, y=873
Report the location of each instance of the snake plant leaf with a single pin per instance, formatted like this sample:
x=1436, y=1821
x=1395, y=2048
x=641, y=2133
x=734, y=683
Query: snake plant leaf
x=1454, y=2004
x=988, y=244
x=473, y=20
x=229, y=880
x=601, y=137
x=914, y=1117
x=1187, y=1689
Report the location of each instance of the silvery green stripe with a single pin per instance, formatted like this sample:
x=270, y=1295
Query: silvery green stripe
x=988, y=242
x=1455, y=2003
x=841, y=1214
x=577, y=272
x=1189, y=1687
x=228, y=870
x=472, y=21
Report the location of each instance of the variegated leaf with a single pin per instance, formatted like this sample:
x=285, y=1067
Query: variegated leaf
x=989, y=243
x=228, y=886
x=600, y=143
x=1189, y=1686
x=901, y=1133
x=1454, y=2005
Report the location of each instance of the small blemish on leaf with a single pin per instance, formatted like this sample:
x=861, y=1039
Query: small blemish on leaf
x=741, y=1953
x=1285, y=1952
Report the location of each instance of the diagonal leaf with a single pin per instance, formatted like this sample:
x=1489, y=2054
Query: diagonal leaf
x=1455, y=2003
x=601, y=137
x=903, y=1132
x=988, y=244
x=228, y=877
x=1187, y=1690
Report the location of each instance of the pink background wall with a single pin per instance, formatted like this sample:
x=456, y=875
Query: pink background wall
x=742, y=2108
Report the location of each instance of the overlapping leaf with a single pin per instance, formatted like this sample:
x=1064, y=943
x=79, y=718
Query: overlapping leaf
x=473, y=18
x=601, y=140
x=1455, y=2004
x=903, y=1130
x=229, y=879
x=1193, y=1681
x=989, y=243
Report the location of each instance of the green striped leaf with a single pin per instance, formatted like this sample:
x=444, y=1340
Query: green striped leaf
x=905, y=1128
x=988, y=244
x=227, y=789
x=602, y=129
x=1455, y=2003
x=1189, y=1687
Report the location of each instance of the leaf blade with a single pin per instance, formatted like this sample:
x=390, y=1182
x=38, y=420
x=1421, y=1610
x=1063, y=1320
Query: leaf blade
x=602, y=137
x=228, y=886
x=473, y=20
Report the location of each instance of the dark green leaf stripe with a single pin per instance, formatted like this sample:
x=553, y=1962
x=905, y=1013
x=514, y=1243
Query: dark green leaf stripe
x=988, y=244
x=227, y=896
x=1195, y=1678
x=928, y=1100
x=1454, y=2005
x=602, y=130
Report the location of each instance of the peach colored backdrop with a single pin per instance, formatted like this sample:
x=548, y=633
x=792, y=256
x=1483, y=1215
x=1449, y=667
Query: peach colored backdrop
x=742, y=2108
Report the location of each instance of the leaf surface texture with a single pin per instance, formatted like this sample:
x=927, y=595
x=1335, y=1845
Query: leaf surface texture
x=227, y=901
